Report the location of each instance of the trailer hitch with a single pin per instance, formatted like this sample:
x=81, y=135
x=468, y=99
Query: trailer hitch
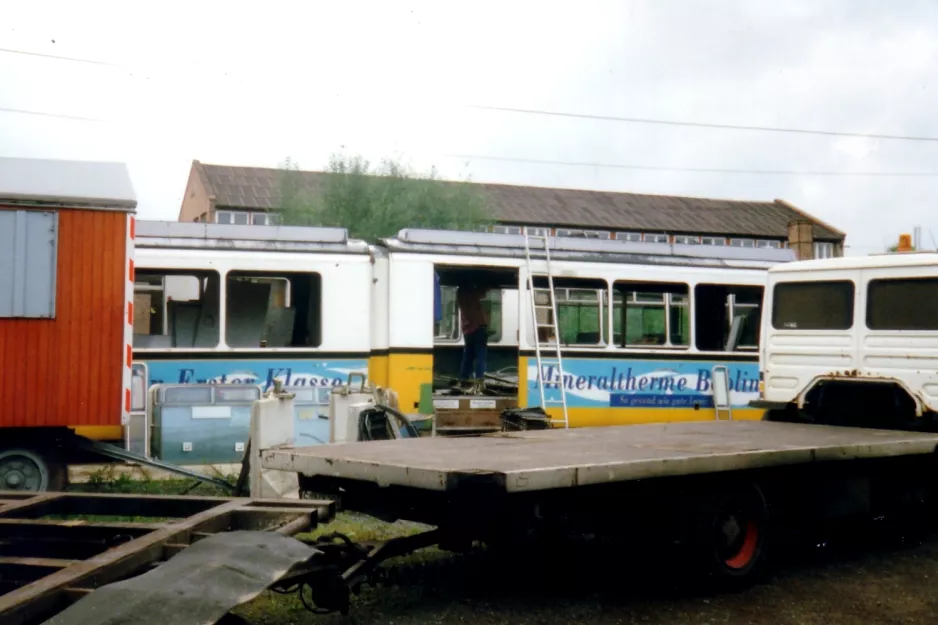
x=326, y=584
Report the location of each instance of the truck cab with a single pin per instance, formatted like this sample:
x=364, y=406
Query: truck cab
x=852, y=341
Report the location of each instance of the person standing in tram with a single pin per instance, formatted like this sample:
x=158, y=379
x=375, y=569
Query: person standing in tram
x=474, y=325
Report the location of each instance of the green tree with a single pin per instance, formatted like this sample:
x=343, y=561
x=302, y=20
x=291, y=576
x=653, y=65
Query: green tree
x=378, y=202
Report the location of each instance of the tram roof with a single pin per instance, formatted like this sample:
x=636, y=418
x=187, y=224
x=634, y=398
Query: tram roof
x=462, y=243
x=208, y=236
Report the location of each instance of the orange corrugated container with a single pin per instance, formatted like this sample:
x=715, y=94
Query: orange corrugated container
x=65, y=339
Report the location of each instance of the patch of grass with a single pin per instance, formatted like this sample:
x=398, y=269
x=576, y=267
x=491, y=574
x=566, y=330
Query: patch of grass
x=107, y=480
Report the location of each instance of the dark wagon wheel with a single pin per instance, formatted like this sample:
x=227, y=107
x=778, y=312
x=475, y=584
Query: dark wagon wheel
x=22, y=469
x=731, y=535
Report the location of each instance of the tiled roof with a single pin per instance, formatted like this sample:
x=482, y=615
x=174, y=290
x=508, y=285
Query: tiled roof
x=258, y=188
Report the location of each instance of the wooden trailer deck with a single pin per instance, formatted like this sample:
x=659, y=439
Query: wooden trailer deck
x=57, y=549
x=548, y=459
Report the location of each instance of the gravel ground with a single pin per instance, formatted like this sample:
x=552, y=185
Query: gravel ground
x=859, y=581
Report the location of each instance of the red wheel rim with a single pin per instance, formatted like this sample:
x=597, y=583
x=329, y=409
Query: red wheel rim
x=747, y=550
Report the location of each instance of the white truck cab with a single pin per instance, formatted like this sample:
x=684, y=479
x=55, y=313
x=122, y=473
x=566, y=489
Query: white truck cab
x=852, y=341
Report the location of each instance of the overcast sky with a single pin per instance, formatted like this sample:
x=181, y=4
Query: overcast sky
x=254, y=84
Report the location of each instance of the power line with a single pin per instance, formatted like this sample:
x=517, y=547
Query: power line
x=43, y=114
x=633, y=120
x=667, y=122
x=708, y=170
x=59, y=58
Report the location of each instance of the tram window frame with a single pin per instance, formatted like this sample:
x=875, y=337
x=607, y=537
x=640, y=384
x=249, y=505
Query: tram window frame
x=721, y=301
x=302, y=295
x=588, y=294
x=166, y=312
x=449, y=329
x=674, y=300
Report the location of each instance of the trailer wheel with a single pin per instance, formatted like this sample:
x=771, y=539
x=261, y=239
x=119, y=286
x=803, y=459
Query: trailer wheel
x=731, y=537
x=22, y=469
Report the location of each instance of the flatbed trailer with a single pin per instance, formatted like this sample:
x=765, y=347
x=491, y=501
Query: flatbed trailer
x=725, y=492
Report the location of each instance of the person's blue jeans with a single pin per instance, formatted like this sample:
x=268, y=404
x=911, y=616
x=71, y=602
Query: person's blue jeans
x=476, y=346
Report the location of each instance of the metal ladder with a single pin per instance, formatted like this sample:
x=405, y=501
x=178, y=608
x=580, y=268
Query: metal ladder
x=553, y=326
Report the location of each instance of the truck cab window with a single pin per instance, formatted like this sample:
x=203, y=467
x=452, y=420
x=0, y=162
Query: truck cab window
x=813, y=305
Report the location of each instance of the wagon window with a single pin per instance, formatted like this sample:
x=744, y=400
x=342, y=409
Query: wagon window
x=813, y=305
x=717, y=307
x=175, y=309
x=902, y=304
x=273, y=309
x=448, y=328
x=581, y=305
x=651, y=315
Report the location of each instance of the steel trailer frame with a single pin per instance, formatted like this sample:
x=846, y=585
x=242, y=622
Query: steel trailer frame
x=49, y=561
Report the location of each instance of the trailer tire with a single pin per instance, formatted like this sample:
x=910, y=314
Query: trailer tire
x=24, y=469
x=730, y=537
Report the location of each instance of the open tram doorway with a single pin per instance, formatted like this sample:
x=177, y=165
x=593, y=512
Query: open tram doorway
x=499, y=304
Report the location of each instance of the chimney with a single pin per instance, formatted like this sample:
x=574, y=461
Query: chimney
x=801, y=238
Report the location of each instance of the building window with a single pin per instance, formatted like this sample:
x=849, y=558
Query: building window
x=742, y=242
x=632, y=237
x=273, y=310
x=769, y=243
x=813, y=305
x=712, y=241
x=684, y=239
x=582, y=234
x=656, y=238
x=902, y=304
x=176, y=309
x=239, y=218
x=506, y=229
x=823, y=249
x=28, y=252
x=265, y=219
x=537, y=232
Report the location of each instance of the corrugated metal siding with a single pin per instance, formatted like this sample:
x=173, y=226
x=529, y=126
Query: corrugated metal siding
x=27, y=263
x=69, y=371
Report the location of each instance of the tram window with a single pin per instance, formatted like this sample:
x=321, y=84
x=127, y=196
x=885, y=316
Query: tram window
x=651, y=315
x=448, y=328
x=580, y=316
x=492, y=304
x=175, y=309
x=716, y=308
x=265, y=309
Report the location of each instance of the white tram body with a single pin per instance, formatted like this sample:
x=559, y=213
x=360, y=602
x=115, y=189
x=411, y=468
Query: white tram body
x=642, y=324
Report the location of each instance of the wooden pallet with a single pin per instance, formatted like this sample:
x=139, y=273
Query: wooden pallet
x=55, y=548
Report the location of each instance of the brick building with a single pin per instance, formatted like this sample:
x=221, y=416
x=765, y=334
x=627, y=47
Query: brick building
x=246, y=195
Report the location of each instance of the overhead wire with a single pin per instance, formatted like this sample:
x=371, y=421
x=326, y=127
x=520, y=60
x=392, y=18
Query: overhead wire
x=637, y=120
x=718, y=170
